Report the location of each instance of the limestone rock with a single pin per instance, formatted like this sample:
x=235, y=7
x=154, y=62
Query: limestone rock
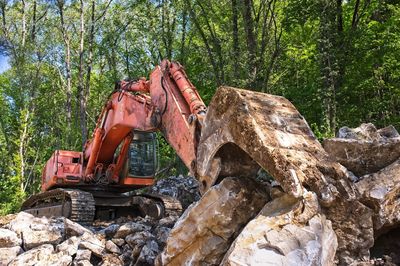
x=161, y=234
x=112, y=247
x=126, y=255
x=111, y=260
x=74, y=229
x=137, y=241
x=381, y=191
x=368, y=131
x=148, y=253
x=275, y=237
x=352, y=222
x=245, y=130
x=205, y=231
x=9, y=238
x=32, y=239
x=118, y=241
x=95, y=249
x=8, y=254
x=93, y=244
x=5, y=220
x=84, y=263
x=83, y=254
x=23, y=221
x=89, y=237
x=168, y=221
x=36, y=231
x=57, y=259
x=364, y=150
x=129, y=228
x=42, y=256
x=111, y=230
x=69, y=246
x=33, y=256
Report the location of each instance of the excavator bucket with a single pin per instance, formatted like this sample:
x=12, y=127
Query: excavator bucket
x=245, y=130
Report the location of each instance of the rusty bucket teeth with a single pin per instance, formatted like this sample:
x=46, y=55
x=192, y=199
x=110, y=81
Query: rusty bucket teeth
x=245, y=130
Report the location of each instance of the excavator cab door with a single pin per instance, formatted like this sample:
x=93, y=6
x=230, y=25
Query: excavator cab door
x=143, y=155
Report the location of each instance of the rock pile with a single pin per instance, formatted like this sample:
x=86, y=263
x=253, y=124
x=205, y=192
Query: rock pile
x=364, y=150
x=325, y=213
x=373, y=155
x=29, y=240
x=185, y=189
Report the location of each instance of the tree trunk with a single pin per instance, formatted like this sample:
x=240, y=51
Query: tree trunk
x=183, y=38
x=68, y=104
x=329, y=62
x=23, y=23
x=81, y=92
x=250, y=39
x=235, y=38
x=86, y=92
x=22, y=148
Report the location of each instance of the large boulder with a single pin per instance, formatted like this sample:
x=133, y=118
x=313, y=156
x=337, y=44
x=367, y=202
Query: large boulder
x=69, y=247
x=206, y=229
x=9, y=238
x=285, y=232
x=42, y=255
x=365, y=149
x=380, y=191
x=8, y=254
x=32, y=238
x=92, y=243
x=36, y=231
x=74, y=229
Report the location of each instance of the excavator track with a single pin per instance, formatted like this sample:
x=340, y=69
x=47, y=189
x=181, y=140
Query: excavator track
x=83, y=207
x=77, y=205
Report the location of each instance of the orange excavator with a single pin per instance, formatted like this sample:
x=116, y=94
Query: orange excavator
x=121, y=156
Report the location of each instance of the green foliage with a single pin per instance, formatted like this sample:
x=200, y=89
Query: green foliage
x=338, y=67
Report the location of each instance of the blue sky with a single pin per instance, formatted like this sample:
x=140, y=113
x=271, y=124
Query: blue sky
x=3, y=63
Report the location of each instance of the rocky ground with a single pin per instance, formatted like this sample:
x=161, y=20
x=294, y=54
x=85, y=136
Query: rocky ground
x=326, y=214
x=28, y=240
x=339, y=215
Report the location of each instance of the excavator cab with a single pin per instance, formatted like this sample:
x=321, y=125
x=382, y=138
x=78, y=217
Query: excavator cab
x=143, y=155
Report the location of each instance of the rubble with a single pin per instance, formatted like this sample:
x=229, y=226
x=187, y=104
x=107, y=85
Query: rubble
x=29, y=240
x=92, y=247
x=185, y=189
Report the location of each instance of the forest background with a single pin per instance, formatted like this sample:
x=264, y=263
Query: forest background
x=338, y=61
